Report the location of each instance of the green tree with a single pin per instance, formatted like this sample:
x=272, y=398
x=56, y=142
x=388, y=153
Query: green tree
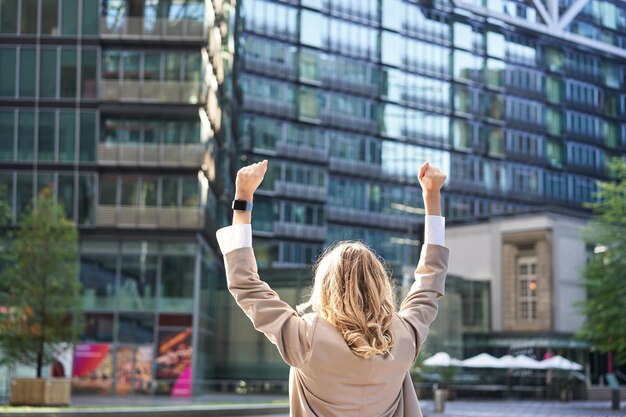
x=605, y=273
x=41, y=289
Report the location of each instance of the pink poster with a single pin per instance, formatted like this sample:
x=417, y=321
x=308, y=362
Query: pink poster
x=92, y=368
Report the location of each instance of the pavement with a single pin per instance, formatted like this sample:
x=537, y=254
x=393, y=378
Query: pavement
x=276, y=406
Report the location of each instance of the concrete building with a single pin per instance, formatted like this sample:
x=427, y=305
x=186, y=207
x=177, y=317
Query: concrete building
x=533, y=265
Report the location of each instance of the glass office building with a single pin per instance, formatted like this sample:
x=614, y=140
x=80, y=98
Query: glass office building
x=520, y=102
x=114, y=104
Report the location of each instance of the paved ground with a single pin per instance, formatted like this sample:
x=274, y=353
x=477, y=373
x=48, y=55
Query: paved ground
x=524, y=409
x=519, y=409
x=458, y=408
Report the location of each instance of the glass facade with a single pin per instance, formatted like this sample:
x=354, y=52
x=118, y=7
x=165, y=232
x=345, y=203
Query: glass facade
x=114, y=105
x=346, y=98
x=369, y=90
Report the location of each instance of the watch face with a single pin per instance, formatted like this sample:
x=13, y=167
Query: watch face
x=240, y=205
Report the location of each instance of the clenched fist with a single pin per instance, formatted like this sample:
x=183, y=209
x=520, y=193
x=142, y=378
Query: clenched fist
x=249, y=178
x=431, y=178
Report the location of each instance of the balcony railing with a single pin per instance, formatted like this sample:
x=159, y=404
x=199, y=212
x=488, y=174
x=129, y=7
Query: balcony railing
x=304, y=191
x=355, y=167
x=189, y=92
x=349, y=215
x=297, y=230
x=157, y=29
x=189, y=155
x=149, y=217
x=296, y=150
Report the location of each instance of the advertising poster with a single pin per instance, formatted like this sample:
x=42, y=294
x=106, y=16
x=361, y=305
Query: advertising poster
x=92, y=368
x=174, y=363
x=133, y=368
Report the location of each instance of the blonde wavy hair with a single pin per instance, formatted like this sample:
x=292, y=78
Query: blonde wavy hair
x=353, y=291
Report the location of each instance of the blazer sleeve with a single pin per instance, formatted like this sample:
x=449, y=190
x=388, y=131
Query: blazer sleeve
x=420, y=306
x=282, y=325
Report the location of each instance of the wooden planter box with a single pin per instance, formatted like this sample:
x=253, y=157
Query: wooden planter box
x=41, y=391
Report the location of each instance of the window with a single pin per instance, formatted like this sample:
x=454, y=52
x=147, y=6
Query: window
x=87, y=136
x=27, y=72
x=8, y=17
x=527, y=288
x=524, y=144
x=524, y=111
x=29, y=14
x=24, y=192
x=90, y=17
x=467, y=66
x=312, y=29
x=47, y=133
x=68, y=72
x=177, y=282
x=7, y=75
x=49, y=17
x=69, y=17
x=88, y=81
x=108, y=190
x=26, y=135
x=67, y=135
x=7, y=143
x=48, y=73
x=86, y=199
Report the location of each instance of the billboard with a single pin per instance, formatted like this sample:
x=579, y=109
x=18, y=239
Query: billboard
x=174, y=363
x=92, y=368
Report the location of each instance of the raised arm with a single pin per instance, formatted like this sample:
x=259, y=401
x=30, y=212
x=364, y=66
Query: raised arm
x=281, y=324
x=420, y=306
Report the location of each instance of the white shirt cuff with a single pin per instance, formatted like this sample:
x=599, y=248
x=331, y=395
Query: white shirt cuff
x=234, y=237
x=434, y=230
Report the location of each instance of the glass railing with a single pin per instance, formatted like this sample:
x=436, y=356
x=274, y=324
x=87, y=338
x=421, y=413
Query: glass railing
x=190, y=155
x=149, y=217
x=145, y=28
x=189, y=92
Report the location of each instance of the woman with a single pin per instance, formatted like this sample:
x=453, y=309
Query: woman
x=351, y=356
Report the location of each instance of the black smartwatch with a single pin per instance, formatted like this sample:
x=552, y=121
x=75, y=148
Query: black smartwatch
x=242, y=205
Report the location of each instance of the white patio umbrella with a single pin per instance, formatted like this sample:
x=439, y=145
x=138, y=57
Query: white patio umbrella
x=559, y=362
x=442, y=359
x=520, y=362
x=483, y=360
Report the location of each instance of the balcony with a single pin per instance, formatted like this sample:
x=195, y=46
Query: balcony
x=132, y=217
x=147, y=91
x=152, y=29
x=163, y=155
x=301, y=151
x=266, y=106
x=350, y=122
x=304, y=191
x=346, y=166
x=301, y=231
x=368, y=218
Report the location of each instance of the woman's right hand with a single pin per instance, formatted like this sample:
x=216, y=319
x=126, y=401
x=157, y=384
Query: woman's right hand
x=431, y=178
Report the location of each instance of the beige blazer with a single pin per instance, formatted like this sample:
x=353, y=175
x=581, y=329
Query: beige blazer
x=326, y=379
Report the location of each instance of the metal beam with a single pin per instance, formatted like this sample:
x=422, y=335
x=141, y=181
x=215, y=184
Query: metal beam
x=542, y=11
x=544, y=29
x=572, y=12
x=554, y=11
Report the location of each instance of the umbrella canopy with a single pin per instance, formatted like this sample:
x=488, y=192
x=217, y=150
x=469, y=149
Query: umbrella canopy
x=559, y=362
x=520, y=362
x=484, y=360
x=442, y=359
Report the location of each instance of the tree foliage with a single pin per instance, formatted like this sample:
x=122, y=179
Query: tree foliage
x=604, y=275
x=40, y=290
